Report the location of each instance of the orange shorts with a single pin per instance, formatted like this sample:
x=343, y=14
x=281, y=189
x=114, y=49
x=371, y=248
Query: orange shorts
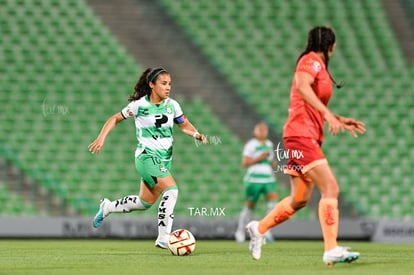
x=304, y=154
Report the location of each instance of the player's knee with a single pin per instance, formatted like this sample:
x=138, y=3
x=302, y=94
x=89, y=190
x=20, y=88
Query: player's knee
x=171, y=192
x=147, y=205
x=298, y=204
x=250, y=204
x=148, y=200
x=272, y=196
x=332, y=190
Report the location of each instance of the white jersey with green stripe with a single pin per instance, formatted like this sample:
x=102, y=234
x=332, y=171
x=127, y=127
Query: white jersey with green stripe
x=261, y=172
x=154, y=125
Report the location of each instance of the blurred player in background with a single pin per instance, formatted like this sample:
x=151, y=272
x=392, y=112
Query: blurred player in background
x=303, y=136
x=154, y=113
x=258, y=158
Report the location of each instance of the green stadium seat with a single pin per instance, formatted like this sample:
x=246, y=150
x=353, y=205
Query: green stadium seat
x=378, y=67
x=254, y=44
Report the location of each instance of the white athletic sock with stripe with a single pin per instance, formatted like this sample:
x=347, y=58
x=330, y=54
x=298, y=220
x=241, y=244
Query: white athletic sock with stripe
x=166, y=212
x=244, y=219
x=128, y=204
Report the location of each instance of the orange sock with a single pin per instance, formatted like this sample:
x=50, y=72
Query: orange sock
x=329, y=219
x=282, y=212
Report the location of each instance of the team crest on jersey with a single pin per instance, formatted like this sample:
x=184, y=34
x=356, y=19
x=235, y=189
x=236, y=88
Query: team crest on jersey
x=163, y=169
x=316, y=66
x=168, y=109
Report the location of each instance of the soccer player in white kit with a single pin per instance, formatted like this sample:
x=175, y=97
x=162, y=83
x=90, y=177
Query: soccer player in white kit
x=154, y=113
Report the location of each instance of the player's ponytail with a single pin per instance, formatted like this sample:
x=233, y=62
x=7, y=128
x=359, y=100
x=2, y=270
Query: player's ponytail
x=321, y=39
x=142, y=87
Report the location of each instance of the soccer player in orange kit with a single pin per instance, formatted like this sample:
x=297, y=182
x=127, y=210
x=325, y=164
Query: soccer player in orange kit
x=303, y=136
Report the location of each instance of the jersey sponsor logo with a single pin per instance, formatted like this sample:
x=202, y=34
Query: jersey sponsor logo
x=160, y=119
x=143, y=112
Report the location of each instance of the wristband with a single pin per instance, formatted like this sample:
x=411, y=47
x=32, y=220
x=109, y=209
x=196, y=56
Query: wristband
x=195, y=134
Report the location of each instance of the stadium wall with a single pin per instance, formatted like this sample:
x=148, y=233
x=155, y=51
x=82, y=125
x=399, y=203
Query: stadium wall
x=203, y=228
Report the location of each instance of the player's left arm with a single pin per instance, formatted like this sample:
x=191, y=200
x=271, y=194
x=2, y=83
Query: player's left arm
x=188, y=128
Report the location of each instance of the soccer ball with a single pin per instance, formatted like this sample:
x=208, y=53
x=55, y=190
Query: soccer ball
x=181, y=242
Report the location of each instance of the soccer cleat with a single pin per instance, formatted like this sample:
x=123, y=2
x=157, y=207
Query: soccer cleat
x=162, y=245
x=269, y=237
x=162, y=242
x=339, y=254
x=240, y=236
x=102, y=213
x=256, y=239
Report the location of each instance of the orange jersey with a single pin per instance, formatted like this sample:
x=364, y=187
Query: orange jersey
x=303, y=119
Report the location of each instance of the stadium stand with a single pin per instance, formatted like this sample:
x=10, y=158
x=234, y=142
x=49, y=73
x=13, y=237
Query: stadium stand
x=408, y=7
x=63, y=73
x=252, y=43
x=14, y=205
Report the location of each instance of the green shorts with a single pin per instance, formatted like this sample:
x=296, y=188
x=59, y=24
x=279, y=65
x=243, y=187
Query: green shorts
x=254, y=190
x=151, y=167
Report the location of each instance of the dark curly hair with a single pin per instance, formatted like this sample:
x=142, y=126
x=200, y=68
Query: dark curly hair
x=320, y=39
x=142, y=87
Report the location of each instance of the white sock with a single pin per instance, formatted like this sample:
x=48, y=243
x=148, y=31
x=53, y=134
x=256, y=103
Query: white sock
x=166, y=212
x=271, y=205
x=244, y=218
x=128, y=204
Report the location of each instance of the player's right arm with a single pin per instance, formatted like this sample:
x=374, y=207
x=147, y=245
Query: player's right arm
x=97, y=144
x=304, y=87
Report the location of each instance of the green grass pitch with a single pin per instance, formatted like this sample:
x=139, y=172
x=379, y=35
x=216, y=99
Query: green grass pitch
x=210, y=257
